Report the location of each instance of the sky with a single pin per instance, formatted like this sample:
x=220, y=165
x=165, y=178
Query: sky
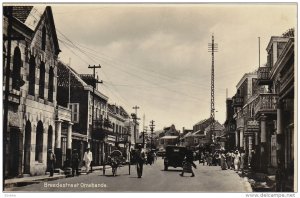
x=156, y=56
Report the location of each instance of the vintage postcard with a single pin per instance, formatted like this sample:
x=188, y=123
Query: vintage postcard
x=149, y=97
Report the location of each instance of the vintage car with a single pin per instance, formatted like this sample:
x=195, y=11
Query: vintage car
x=174, y=156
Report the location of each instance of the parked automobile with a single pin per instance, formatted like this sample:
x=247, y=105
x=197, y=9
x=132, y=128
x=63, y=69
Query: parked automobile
x=174, y=156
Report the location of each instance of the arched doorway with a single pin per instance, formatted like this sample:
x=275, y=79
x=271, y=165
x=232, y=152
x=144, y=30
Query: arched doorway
x=15, y=139
x=27, y=146
x=39, y=142
x=50, y=140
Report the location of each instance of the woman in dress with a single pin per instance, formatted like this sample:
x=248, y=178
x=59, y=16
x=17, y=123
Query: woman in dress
x=188, y=164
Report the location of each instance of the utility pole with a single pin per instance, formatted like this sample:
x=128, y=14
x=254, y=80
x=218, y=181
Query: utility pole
x=143, y=130
x=135, y=118
x=9, y=38
x=212, y=47
x=94, y=67
x=152, y=129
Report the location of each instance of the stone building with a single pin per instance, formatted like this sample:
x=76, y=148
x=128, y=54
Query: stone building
x=31, y=90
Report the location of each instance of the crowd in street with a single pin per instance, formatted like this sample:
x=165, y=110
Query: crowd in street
x=232, y=160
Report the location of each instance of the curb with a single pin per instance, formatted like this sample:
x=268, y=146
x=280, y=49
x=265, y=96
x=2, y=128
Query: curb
x=9, y=185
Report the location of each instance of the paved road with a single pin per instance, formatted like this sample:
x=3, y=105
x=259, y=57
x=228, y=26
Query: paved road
x=155, y=179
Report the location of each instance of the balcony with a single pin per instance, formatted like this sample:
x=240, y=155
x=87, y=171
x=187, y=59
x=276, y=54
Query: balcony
x=63, y=113
x=263, y=76
x=265, y=103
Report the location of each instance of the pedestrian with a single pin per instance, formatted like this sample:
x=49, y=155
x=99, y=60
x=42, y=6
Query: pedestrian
x=140, y=160
x=51, y=162
x=223, y=160
x=188, y=164
x=75, y=163
x=87, y=158
x=236, y=160
x=210, y=159
x=202, y=156
x=242, y=160
x=229, y=159
x=253, y=160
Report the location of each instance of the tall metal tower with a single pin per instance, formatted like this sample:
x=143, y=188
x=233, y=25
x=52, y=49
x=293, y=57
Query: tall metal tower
x=212, y=47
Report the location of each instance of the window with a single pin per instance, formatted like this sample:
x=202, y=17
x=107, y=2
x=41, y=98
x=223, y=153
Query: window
x=50, y=88
x=74, y=112
x=39, y=142
x=44, y=38
x=31, y=75
x=17, y=81
x=42, y=80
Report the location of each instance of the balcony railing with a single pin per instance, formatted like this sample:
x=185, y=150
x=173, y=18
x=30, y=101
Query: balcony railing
x=263, y=76
x=265, y=103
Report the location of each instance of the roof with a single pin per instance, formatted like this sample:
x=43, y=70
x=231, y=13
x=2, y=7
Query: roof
x=218, y=127
x=187, y=135
x=169, y=137
x=31, y=16
x=202, y=121
x=22, y=12
x=76, y=80
x=34, y=16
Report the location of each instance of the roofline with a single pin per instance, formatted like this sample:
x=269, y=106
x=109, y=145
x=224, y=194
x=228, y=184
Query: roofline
x=245, y=76
x=49, y=10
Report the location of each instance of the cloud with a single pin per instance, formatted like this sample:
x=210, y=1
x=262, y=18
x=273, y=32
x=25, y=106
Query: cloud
x=155, y=55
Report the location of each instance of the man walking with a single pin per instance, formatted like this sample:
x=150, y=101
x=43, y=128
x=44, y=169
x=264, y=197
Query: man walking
x=51, y=162
x=88, y=158
x=140, y=159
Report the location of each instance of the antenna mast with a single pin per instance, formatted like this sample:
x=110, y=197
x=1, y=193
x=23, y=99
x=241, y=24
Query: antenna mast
x=212, y=47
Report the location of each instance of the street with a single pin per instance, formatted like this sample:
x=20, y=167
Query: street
x=155, y=179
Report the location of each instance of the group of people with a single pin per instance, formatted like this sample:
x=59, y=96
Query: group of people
x=87, y=159
x=233, y=160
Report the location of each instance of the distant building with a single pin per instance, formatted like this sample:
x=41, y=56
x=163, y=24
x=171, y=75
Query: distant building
x=169, y=136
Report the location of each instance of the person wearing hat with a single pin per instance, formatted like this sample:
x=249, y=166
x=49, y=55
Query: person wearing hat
x=88, y=158
x=51, y=162
x=75, y=162
x=140, y=159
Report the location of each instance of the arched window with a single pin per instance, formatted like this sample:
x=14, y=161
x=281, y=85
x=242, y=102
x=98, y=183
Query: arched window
x=50, y=88
x=31, y=76
x=16, y=74
x=42, y=80
x=44, y=38
x=39, y=142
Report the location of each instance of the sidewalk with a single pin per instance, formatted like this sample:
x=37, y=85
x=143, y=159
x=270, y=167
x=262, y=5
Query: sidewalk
x=27, y=180
x=260, y=182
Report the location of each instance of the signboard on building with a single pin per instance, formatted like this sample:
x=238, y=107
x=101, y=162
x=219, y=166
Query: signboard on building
x=237, y=101
x=252, y=127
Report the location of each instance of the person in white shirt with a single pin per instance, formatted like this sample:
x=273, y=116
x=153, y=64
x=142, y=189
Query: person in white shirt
x=88, y=158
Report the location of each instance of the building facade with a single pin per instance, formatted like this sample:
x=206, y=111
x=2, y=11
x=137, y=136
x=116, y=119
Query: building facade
x=278, y=108
x=264, y=113
x=75, y=92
